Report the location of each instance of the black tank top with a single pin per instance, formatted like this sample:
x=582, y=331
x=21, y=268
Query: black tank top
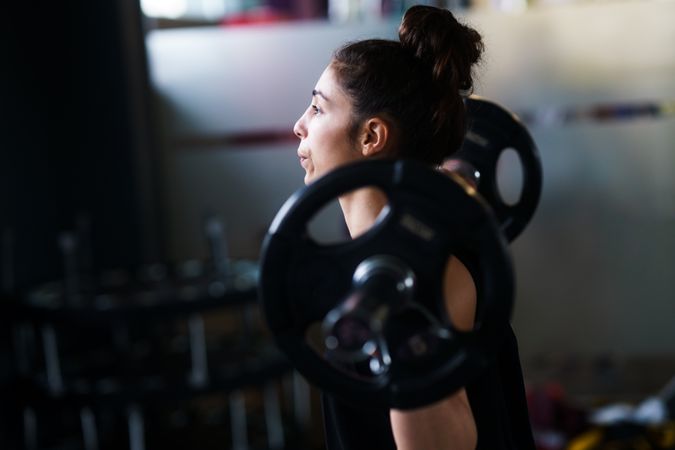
x=497, y=398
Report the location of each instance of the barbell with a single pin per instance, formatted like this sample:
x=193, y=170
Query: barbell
x=365, y=319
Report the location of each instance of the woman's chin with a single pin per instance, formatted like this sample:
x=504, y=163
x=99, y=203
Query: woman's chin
x=311, y=176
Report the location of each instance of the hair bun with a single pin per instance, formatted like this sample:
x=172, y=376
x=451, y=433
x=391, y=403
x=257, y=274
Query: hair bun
x=449, y=47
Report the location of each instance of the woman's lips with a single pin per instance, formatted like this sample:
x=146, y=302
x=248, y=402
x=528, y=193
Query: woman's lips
x=303, y=160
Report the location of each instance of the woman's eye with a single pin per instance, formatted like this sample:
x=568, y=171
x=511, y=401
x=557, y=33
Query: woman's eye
x=316, y=109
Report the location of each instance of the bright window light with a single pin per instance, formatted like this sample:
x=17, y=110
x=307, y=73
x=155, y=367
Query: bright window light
x=171, y=9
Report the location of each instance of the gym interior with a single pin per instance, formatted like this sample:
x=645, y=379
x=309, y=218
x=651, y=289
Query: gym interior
x=147, y=147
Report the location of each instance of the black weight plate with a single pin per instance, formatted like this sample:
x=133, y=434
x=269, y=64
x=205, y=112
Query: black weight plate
x=430, y=218
x=491, y=130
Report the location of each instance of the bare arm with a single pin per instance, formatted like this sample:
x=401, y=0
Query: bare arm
x=449, y=423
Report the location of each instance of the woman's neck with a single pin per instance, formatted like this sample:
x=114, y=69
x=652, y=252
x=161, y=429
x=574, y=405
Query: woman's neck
x=361, y=208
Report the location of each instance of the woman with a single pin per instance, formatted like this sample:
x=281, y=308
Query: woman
x=388, y=99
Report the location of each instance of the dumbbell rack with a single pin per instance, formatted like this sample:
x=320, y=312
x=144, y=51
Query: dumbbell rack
x=162, y=355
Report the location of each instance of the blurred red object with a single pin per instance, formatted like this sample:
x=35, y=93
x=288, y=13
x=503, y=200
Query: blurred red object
x=262, y=15
x=553, y=417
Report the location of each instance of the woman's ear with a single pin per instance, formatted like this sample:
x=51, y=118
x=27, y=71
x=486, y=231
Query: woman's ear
x=375, y=137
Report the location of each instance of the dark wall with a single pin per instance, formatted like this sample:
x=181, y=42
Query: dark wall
x=75, y=135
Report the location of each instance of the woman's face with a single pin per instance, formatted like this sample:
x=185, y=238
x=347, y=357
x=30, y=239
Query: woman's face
x=324, y=128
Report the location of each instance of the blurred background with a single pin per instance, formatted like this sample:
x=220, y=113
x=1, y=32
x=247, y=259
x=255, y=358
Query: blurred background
x=146, y=147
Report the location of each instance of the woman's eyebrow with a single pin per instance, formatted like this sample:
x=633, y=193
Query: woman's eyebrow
x=319, y=93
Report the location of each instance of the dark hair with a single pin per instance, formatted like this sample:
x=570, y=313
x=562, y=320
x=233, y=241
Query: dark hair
x=416, y=83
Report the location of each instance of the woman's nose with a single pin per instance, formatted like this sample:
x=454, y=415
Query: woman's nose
x=299, y=128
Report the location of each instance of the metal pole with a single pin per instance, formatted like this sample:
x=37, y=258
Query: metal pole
x=275, y=428
x=199, y=376
x=52, y=363
x=238, y=421
x=89, y=433
x=136, y=428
